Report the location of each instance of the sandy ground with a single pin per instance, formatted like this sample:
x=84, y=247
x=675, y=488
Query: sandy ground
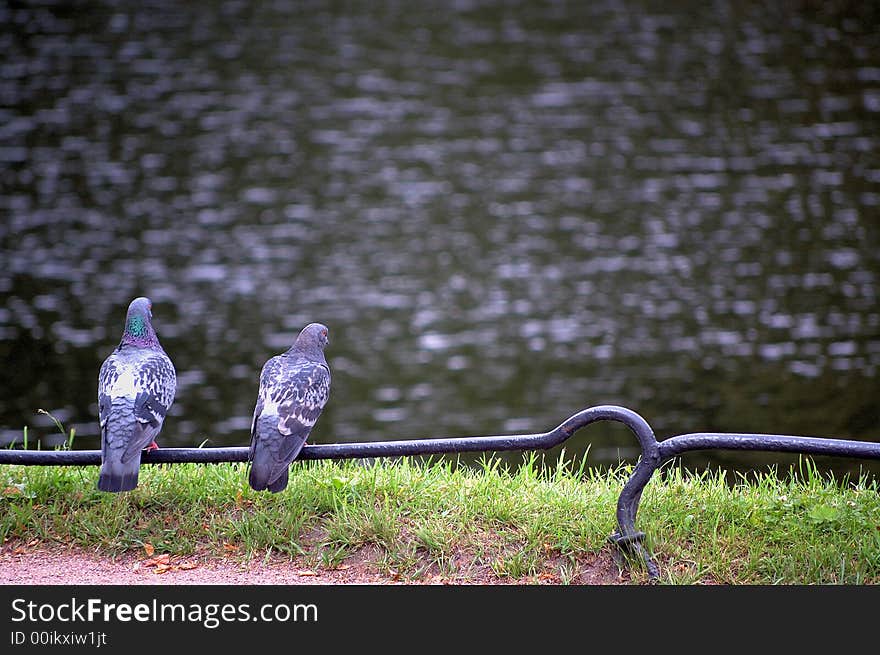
x=38, y=564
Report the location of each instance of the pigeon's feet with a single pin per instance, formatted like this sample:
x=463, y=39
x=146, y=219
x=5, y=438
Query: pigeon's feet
x=152, y=446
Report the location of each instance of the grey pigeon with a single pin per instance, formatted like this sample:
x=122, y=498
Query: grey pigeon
x=136, y=387
x=294, y=388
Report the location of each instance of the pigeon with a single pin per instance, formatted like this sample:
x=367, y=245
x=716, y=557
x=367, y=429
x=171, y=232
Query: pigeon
x=294, y=388
x=136, y=387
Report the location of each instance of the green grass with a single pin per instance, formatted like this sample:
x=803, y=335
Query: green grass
x=422, y=518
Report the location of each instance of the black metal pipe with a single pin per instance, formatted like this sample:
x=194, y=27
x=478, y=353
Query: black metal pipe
x=768, y=442
x=542, y=440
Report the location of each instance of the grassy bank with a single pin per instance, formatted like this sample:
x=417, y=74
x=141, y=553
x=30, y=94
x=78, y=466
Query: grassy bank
x=429, y=518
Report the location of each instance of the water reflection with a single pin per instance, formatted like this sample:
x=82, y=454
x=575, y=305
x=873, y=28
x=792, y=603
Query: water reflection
x=506, y=212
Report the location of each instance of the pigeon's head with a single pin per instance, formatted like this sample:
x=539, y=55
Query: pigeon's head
x=314, y=335
x=139, y=322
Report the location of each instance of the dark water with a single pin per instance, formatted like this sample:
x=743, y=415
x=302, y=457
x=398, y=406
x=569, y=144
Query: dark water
x=505, y=212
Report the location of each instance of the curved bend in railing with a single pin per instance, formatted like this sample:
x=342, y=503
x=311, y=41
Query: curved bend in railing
x=627, y=538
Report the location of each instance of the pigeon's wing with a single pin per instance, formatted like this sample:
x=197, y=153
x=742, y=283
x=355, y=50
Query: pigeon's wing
x=271, y=371
x=156, y=385
x=301, y=396
x=106, y=378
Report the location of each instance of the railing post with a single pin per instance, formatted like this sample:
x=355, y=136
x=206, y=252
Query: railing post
x=627, y=539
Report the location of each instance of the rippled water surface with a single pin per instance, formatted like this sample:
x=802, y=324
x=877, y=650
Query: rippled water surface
x=505, y=212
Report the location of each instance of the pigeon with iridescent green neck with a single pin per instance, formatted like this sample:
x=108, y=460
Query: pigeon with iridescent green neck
x=294, y=388
x=136, y=387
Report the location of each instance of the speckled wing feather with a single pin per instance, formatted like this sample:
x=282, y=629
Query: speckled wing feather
x=301, y=396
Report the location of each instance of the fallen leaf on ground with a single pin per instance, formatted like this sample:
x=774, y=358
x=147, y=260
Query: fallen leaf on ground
x=304, y=573
x=188, y=566
x=149, y=549
x=160, y=560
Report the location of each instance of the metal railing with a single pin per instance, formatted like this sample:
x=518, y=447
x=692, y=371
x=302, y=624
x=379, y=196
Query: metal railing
x=627, y=539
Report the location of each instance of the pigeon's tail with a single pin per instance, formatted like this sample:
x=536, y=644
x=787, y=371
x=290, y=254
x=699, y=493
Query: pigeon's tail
x=267, y=473
x=116, y=476
x=270, y=461
x=280, y=483
x=118, y=472
x=262, y=475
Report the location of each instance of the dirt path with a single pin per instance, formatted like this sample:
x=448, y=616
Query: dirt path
x=38, y=564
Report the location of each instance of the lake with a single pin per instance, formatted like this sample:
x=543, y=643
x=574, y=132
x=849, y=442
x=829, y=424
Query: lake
x=505, y=212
